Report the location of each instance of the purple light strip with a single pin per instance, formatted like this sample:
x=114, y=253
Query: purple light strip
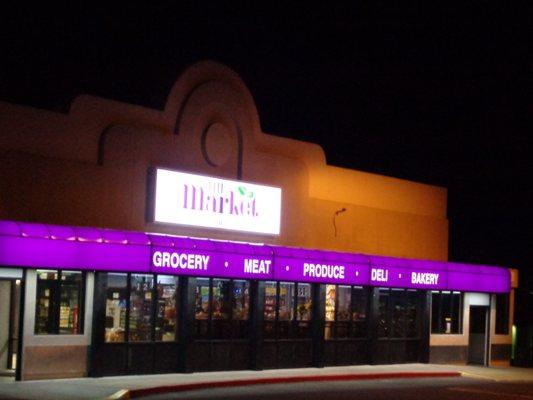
x=51, y=246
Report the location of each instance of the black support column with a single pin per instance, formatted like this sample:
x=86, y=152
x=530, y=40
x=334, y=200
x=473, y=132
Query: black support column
x=186, y=323
x=319, y=315
x=257, y=302
x=372, y=332
x=425, y=315
x=96, y=355
x=20, y=344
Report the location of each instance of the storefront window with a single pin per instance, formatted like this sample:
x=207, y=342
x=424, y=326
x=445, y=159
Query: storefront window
x=383, y=313
x=269, y=310
x=344, y=300
x=359, y=309
x=241, y=308
x=140, y=321
x=59, y=302
x=286, y=301
x=330, y=305
x=131, y=302
x=166, y=326
x=201, y=313
x=398, y=312
x=345, y=312
x=116, y=305
x=304, y=302
x=446, y=312
x=221, y=299
x=286, y=309
x=221, y=309
x=303, y=310
x=412, y=315
x=502, y=314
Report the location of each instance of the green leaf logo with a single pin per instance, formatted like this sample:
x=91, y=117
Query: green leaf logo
x=244, y=192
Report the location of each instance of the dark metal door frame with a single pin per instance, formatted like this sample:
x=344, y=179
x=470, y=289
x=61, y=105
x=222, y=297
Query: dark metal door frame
x=423, y=307
x=19, y=334
x=486, y=333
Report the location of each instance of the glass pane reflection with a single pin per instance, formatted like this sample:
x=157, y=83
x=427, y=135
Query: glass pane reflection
x=140, y=321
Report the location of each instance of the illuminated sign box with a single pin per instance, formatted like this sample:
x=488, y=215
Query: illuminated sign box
x=202, y=201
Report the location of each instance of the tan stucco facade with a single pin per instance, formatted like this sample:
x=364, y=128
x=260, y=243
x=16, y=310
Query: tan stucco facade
x=90, y=166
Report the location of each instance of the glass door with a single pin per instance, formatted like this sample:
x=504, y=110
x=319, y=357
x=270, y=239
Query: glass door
x=287, y=328
x=398, y=338
x=135, y=325
x=477, y=335
x=221, y=332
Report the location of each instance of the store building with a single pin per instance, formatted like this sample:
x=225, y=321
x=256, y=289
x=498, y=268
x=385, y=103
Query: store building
x=135, y=241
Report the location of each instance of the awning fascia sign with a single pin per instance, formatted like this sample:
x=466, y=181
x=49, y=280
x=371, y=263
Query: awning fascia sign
x=51, y=246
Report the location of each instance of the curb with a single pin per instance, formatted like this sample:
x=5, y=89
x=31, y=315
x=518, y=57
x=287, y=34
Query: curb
x=137, y=393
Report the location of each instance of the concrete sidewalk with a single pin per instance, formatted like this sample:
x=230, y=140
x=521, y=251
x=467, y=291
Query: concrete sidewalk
x=101, y=388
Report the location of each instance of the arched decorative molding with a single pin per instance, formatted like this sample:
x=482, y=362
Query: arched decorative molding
x=201, y=74
x=101, y=144
x=209, y=93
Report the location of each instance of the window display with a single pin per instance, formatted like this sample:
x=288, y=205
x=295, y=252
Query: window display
x=140, y=321
x=287, y=310
x=70, y=300
x=241, y=300
x=304, y=302
x=241, y=308
x=166, y=313
x=303, y=310
x=344, y=303
x=58, y=303
x=222, y=309
x=132, y=301
x=201, y=309
x=342, y=325
x=383, y=313
x=399, y=313
x=269, y=311
x=446, y=312
x=330, y=303
x=412, y=315
x=221, y=299
x=116, y=304
x=359, y=311
x=286, y=301
x=345, y=307
x=270, y=301
x=331, y=294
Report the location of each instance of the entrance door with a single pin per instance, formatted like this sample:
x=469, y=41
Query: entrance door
x=9, y=322
x=221, y=330
x=135, y=324
x=477, y=336
x=400, y=334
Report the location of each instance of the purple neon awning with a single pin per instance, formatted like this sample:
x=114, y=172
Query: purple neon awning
x=25, y=244
x=37, y=245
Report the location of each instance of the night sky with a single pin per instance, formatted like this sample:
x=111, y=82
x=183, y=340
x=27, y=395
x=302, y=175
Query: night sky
x=431, y=95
